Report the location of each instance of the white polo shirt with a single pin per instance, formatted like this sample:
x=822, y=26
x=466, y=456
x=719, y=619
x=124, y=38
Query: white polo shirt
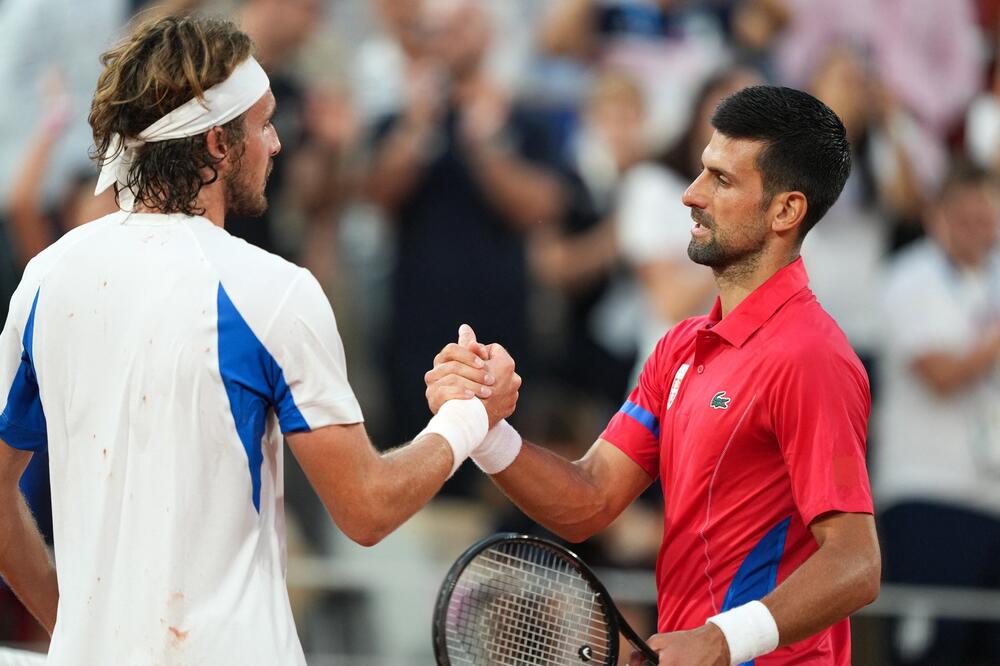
x=158, y=360
x=930, y=447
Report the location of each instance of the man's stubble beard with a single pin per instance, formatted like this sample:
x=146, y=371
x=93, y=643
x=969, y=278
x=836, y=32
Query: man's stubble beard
x=241, y=197
x=720, y=257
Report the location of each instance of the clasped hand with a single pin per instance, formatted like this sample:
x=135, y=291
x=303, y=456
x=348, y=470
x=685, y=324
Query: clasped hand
x=470, y=369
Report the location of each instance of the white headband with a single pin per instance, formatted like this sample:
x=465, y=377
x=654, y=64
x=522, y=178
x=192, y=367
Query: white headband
x=221, y=103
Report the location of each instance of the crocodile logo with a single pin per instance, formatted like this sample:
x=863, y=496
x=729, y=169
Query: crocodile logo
x=720, y=400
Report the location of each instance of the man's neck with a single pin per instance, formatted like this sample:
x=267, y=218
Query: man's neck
x=210, y=199
x=739, y=281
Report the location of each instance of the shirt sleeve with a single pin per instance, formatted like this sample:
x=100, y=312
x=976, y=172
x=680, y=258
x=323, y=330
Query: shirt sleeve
x=22, y=422
x=306, y=345
x=635, y=429
x=820, y=409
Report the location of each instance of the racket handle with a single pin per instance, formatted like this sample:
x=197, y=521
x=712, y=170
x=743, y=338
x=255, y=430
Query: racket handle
x=649, y=658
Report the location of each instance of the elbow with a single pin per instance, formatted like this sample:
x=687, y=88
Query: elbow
x=580, y=529
x=871, y=584
x=867, y=584
x=366, y=533
x=367, y=538
x=360, y=524
x=574, y=533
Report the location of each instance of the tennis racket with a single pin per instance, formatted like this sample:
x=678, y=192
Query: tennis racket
x=518, y=600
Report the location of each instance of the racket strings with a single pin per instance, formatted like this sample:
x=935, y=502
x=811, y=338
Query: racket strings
x=524, y=605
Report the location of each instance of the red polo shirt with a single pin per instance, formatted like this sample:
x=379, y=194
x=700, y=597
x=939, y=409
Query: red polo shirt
x=755, y=424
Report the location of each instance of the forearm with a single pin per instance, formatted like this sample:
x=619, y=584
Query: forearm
x=31, y=232
x=676, y=291
x=25, y=563
x=397, y=166
x=560, y=495
x=323, y=181
x=948, y=373
x=575, y=262
x=526, y=194
x=378, y=493
x=901, y=192
x=407, y=479
x=835, y=582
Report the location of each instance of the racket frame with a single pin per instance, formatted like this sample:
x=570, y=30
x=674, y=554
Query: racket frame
x=616, y=623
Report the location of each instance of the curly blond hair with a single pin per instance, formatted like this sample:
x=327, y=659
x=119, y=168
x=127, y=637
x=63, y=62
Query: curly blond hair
x=163, y=63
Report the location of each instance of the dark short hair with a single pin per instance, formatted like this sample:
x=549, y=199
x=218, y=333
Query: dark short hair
x=964, y=173
x=805, y=144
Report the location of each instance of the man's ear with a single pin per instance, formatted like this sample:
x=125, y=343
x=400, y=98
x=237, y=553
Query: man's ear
x=788, y=209
x=216, y=143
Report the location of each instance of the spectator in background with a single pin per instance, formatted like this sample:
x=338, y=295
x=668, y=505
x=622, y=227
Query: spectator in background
x=654, y=225
x=464, y=174
x=668, y=47
x=34, y=224
x=937, y=473
x=382, y=61
x=982, y=129
x=755, y=25
x=925, y=51
x=594, y=342
x=75, y=34
x=316, y=127
x=895, y=160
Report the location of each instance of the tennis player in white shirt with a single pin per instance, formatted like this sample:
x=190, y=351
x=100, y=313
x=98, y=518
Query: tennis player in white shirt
x=159, y=360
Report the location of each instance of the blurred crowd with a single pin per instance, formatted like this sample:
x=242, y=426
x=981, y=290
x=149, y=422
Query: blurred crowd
x=518, y=165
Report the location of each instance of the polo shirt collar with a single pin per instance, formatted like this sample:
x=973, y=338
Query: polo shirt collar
x=737, y=327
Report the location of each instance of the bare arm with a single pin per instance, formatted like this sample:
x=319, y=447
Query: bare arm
x=947, y=373
x=398, y=165
x=838, y=579
x=676, y=288
x=568, y=29
x=573, y=499
x=367, y=494
x=574, y=262
x=31, y=228
x=399, y=161
x=902, y=192
x=25, y=562
x=525, y=193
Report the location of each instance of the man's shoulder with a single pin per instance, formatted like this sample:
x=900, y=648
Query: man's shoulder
x=255, y=281
x=808, y=336
x=235, y=258
x=45, y=260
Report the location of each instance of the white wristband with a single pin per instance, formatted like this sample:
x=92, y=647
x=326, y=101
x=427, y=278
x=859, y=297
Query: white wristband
x=498, y=450
x=463, y=424
x=749, y=629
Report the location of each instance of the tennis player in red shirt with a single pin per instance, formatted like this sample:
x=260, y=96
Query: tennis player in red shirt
x=754, y=417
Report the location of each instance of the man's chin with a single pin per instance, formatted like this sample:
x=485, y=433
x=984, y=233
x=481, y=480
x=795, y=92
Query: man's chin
x=702, y=253
x=250, y=208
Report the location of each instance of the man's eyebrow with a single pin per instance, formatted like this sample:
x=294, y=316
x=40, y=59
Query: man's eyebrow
x=719, y=172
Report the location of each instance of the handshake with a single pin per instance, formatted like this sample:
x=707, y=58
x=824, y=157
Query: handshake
x=471, y=390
